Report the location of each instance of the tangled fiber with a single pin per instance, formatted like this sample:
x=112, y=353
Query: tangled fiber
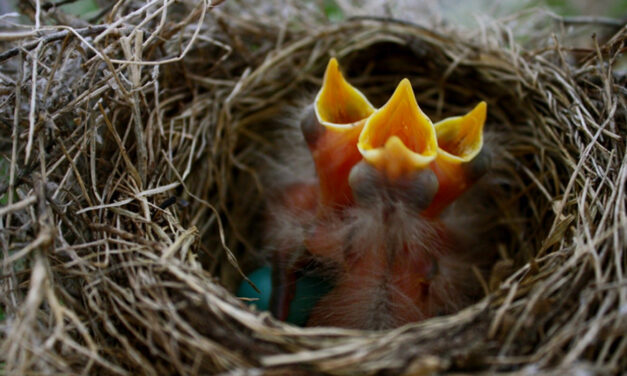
x=134, y=198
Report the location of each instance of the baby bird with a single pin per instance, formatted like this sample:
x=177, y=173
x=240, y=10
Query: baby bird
x=331, y=128
x=380, y=216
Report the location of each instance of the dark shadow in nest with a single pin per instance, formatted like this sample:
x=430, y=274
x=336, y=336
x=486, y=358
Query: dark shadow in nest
x=521, y=217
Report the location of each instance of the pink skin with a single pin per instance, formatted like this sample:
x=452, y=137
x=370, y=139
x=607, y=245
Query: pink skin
x=405, y=270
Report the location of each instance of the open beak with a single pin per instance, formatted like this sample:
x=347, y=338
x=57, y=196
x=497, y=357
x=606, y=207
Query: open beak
x=460, y=138
x=398, y=141
x=401, y=143
x=459, y=161
x=332, y=128
x=338, y=104
x=399, y=138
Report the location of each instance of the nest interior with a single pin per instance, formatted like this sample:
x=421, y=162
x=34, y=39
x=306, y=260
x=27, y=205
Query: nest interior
x=135, y=200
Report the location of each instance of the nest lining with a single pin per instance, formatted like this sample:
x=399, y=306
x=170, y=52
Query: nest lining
x=132, y=186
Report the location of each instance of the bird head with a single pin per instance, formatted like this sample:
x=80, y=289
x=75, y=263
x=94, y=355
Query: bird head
x=398, y=144
x=461, y=158
x=331, y=128
x=399, y=138
x=408, y=158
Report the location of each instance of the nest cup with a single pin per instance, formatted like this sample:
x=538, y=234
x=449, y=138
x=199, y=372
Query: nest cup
x=138, y=197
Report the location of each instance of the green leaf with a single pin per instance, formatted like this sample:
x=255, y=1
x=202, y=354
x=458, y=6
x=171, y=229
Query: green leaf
x=561, y=7
x=82, y=8
x=333, y=11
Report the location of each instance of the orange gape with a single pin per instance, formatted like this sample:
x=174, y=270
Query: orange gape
x=383, y=179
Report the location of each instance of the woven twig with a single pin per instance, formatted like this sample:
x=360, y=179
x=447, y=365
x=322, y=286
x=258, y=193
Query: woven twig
x=134, y=195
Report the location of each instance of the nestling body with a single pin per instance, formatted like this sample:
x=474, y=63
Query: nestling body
x=380, y=213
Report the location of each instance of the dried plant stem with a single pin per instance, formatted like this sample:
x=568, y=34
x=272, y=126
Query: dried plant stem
x=143, y=150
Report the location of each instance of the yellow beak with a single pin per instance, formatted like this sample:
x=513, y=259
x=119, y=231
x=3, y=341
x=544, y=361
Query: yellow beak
x=398, y=141
x=332, y=130
x=459, y=161
x=460, y=138
x=338, y=104
x=399, y=138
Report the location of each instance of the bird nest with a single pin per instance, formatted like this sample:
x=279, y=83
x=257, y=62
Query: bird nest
x=135, y=192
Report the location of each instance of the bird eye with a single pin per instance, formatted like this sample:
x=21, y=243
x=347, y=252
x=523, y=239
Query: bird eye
x=478, y=166
x=310, y=126
x=365, y=182
x=417, y=189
